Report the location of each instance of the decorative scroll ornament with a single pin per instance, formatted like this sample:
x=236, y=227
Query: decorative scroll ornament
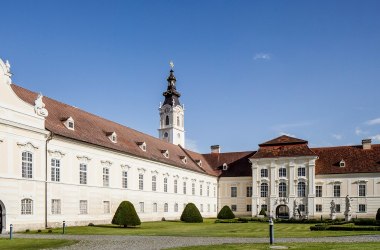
x=106, y=163
x=39, y=106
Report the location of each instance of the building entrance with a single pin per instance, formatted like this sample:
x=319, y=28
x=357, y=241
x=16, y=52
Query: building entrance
x=282, y=212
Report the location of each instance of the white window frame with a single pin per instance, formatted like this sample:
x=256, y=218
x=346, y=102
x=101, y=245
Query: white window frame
x=301, y=189
x=55, y=170
x=154, y=183
x=193, y=188
x=141, y=181
x=184, y=187
x=362, y=190
x=301, y=172
x=83, y=207
x=154, y=207
x=166, y=208
x=27, y=164
x=360, y=208
x=26, y=206
x=106, y=207
x=264, y=173
x=264, y=190
x=175, y=186
x=141, y=206
x=83, y=173
x=234, y=191
x=124, y=179
x=282, y=190
x=318, y=208
x=106, y=177
x=336, y=190
x=55, y=206
x=165, y=184
x=318, y=190
x=282, y=172
x=249, y=191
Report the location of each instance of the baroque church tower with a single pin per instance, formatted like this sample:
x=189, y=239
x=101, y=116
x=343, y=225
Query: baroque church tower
x=172, y=126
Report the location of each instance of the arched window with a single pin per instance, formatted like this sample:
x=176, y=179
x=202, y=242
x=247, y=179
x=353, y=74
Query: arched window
x=167, y=120
x=155, y=207
x=166, y=135
x=27, y=165
x=176, y=207
x=282, y=189
x=26, y=206
x=264, y=190
x=178, y=121
x=301, y=189
x=166, y=207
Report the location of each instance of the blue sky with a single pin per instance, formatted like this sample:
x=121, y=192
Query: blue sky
x=248, y=71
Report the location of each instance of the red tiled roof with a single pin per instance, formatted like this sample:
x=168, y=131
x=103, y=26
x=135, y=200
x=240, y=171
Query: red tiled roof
x=283, y=140
x=357, y=160
x=93, y=129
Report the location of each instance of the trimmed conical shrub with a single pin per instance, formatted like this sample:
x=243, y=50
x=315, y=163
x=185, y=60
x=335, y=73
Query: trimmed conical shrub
x=191, y=214
x=263, y=212
x=378, y=214
x=226, y=213
x=126, y=215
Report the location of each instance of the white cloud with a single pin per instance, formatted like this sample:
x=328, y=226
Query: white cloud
x=262, y=56
x=191, y=145
x=287, y=134
x=373, y=122
x=376, y=137
x=337, y=136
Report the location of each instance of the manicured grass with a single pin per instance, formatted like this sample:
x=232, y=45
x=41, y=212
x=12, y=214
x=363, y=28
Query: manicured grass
x=209, y=228
x=293, y=246
x=31, y=244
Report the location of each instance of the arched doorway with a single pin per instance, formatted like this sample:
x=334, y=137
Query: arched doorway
x=282, y=212
x=2, y=217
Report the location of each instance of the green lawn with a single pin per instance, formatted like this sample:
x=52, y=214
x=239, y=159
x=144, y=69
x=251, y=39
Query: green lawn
x=31, y=244
x=209, y=228
x=293, y=246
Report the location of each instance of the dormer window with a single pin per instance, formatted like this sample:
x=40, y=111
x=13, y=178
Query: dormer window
x=184, y=159
x=342, y=163
x=142, y=145
x=199, y=162
x=165, y=152
x=112, y=136
x=225, y=166
x=69, y=123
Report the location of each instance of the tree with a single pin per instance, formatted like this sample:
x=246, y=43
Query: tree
x=226, y=213
x=191, y=214
x=263, y=212
x=126, y=215
x=378, y=215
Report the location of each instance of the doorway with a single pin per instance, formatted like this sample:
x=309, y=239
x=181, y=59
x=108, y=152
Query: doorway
x=282, y=212
x=2, y=217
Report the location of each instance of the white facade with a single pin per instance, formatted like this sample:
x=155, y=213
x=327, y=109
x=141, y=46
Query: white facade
x=172, y=124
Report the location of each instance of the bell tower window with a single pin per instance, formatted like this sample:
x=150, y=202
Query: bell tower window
x=167, y=120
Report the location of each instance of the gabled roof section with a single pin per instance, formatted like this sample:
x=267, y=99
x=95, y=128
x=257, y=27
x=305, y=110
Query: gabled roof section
x=283, y=140
x=90, y=128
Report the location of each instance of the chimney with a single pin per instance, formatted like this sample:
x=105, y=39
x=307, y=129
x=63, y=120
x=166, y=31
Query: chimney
x=366, y=143
x=215, y=149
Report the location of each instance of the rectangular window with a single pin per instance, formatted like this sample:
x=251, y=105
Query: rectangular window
x=214, y=191
x=337, y=190
x=201, y=190
x=165, y=185
x=318, y=208
x=175, y=186
x=176, y=207
x=208, y=190
x=26, y=206
x=154, y=207
x=362, y=190
x=106, y=177
x=282, y=172
x=208, y=208
x=249, y=191
x=55, y=170
x=264, y=190
x=106, y=207
x=124, y=179
x=201, y=208
x=318, y=191
x=233, y=208
x=55, y=206
x=83, y=207
x=141, y=182
x=141, y=205
x=166, y=207
x=362, y=208
x=83, y=173
x=184, y=187
x=337, y=208
x=27, y=165
x=233, y=191
x=154, y=183
x=265, y=207
x=302, y=207
x=249, y=208
x=193, y=188
x=302, y=171
x=264, y=173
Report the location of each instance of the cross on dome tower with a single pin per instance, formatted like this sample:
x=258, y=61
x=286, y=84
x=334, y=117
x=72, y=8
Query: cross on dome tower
x=172, y=127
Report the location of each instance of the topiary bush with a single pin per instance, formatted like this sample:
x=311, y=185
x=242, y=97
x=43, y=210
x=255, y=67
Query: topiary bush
x=263, y=212
x=126, y=215
x=191, y=214
x=226, y=213
x=378, y=214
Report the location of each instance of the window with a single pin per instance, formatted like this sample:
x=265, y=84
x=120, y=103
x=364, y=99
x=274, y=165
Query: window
x=337, y=208
x=106, y=177
x=225, y=167
x=265, y=207
x=282, y=189
x=318, y=208
x=27, y=165
x=141, y=205
x=249, y=208
x=201, y=190
x=167, y=121
x=264, y=190
x=208, y=190
x=282, y=172
x=154, y=183
x=165, y=185
x=302, y=207
x=362, y=208
x=301, y=189
x=55, y=170
x=201, y=208
x=264, y=173
x=233, y=191
x=193, y=188
x=166, y=135
x=233, y=208
x=141, y=181
x=318, y=191
x=214, y=191
x=362, y=190
x=26, y=206
x=55, y=206
x=302, y=171
x=82, y=207
x=342, y=164
x=178, y=121
x=337, y=190
x=83, y=174
x=249, y=191
x=184, y=187
x=175, y=207
x=106, y=207
x=166, y=207
x=124, y=179
x=208, y=208
x=154, y=207
x=175, y=186
x=70, y=124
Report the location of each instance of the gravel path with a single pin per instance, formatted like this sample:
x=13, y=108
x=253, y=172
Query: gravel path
x=111, y=242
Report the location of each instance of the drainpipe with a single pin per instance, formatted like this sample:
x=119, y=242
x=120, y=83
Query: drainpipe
x=49, y=138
